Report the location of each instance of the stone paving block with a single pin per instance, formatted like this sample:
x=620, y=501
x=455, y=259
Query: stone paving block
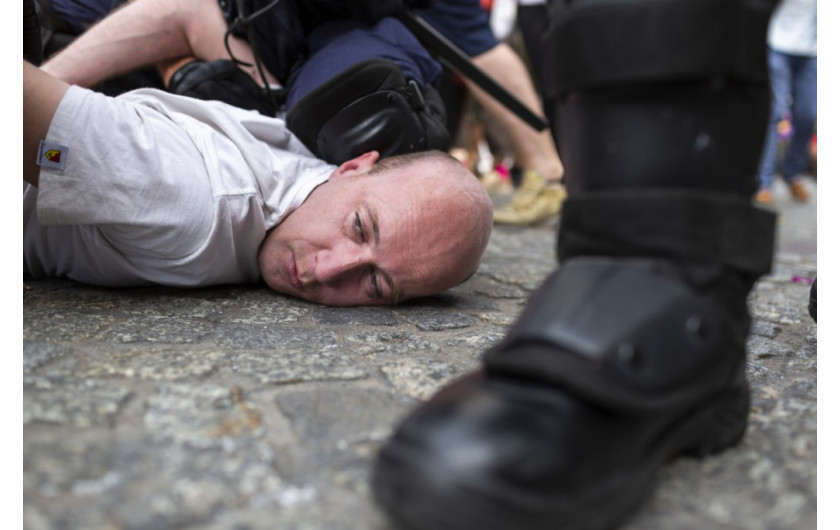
x=433, y=319
x=354, y=316
x=159, y=330
x=37, y=354
x=78, y=403
x=282, y=338
x=333, y=416
x=166, y=362
x=390, y=343
x=306, y=365
x=202, y=415
x=61, y=327
x=417, y=377
x=56, y=466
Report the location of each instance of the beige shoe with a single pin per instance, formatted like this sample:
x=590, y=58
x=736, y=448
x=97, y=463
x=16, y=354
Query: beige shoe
x=534, y=202
x=764, y=196
x=495, y=183
x=798, y=190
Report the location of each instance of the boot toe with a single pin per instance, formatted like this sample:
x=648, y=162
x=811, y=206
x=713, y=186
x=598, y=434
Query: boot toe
x=496, y=454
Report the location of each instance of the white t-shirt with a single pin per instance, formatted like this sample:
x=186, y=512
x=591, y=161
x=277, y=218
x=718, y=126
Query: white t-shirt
x=162, y=189
x=793, y=28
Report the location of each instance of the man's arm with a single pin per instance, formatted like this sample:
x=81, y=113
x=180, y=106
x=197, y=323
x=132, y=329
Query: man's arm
x=146, y=32
x=41, y=95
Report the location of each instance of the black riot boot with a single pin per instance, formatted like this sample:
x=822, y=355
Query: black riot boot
x=633, y=351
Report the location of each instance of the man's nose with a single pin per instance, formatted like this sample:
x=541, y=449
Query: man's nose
x=338, y=264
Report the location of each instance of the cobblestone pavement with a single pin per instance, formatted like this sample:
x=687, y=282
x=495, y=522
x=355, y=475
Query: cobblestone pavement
x=234, y=408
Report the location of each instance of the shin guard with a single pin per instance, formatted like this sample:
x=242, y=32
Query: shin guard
x=660, y=93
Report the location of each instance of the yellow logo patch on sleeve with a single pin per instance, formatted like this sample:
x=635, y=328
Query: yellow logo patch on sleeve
x=52, y=155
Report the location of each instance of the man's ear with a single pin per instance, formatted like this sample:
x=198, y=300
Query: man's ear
x=356, y=166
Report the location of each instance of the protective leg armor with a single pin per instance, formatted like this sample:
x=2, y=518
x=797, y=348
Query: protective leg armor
x=369, y=106
x=662, y=93
x=633, y=351
x=662, y=135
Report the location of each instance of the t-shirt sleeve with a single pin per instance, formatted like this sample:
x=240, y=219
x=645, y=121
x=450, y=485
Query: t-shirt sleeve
x=128, y=170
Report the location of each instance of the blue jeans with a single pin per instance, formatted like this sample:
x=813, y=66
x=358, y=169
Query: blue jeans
x=793, y=81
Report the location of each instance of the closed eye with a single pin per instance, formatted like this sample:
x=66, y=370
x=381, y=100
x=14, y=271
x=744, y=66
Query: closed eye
x=371, y=234
x=358, y=227
x=375, y=284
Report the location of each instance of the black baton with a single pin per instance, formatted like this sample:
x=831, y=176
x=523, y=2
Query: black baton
x=444, y=51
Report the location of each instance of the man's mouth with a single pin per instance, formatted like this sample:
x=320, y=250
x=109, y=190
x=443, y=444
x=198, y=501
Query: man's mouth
x=291, y=270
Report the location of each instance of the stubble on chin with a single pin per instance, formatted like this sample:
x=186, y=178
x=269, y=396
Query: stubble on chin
x=271, y=266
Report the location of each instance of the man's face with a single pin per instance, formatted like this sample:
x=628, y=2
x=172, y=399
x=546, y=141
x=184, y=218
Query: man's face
x=362, y=239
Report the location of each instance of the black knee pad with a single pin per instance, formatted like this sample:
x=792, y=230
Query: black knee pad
x=659, y=93
x=369, y=107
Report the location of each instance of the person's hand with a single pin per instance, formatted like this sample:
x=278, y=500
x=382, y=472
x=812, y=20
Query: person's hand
x=220, y=80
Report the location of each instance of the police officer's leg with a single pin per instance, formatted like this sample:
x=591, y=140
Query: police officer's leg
x=633, y=351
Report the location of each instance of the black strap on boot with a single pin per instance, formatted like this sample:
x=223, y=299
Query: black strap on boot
x=681, y=225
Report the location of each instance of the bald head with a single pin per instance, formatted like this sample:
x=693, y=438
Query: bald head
x=381, y=232
x=456, y=207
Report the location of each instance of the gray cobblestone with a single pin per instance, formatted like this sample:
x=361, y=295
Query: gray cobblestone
x=359, y=316
x=299, y=366
x=234, y=407
x=80, y=403
x=390, y=343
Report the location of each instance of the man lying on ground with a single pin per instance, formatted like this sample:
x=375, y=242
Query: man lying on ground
x=155, y=188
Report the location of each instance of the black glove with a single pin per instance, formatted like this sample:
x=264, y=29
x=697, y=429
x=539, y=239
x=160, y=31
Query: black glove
x=221, y=80
x=32, y=49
